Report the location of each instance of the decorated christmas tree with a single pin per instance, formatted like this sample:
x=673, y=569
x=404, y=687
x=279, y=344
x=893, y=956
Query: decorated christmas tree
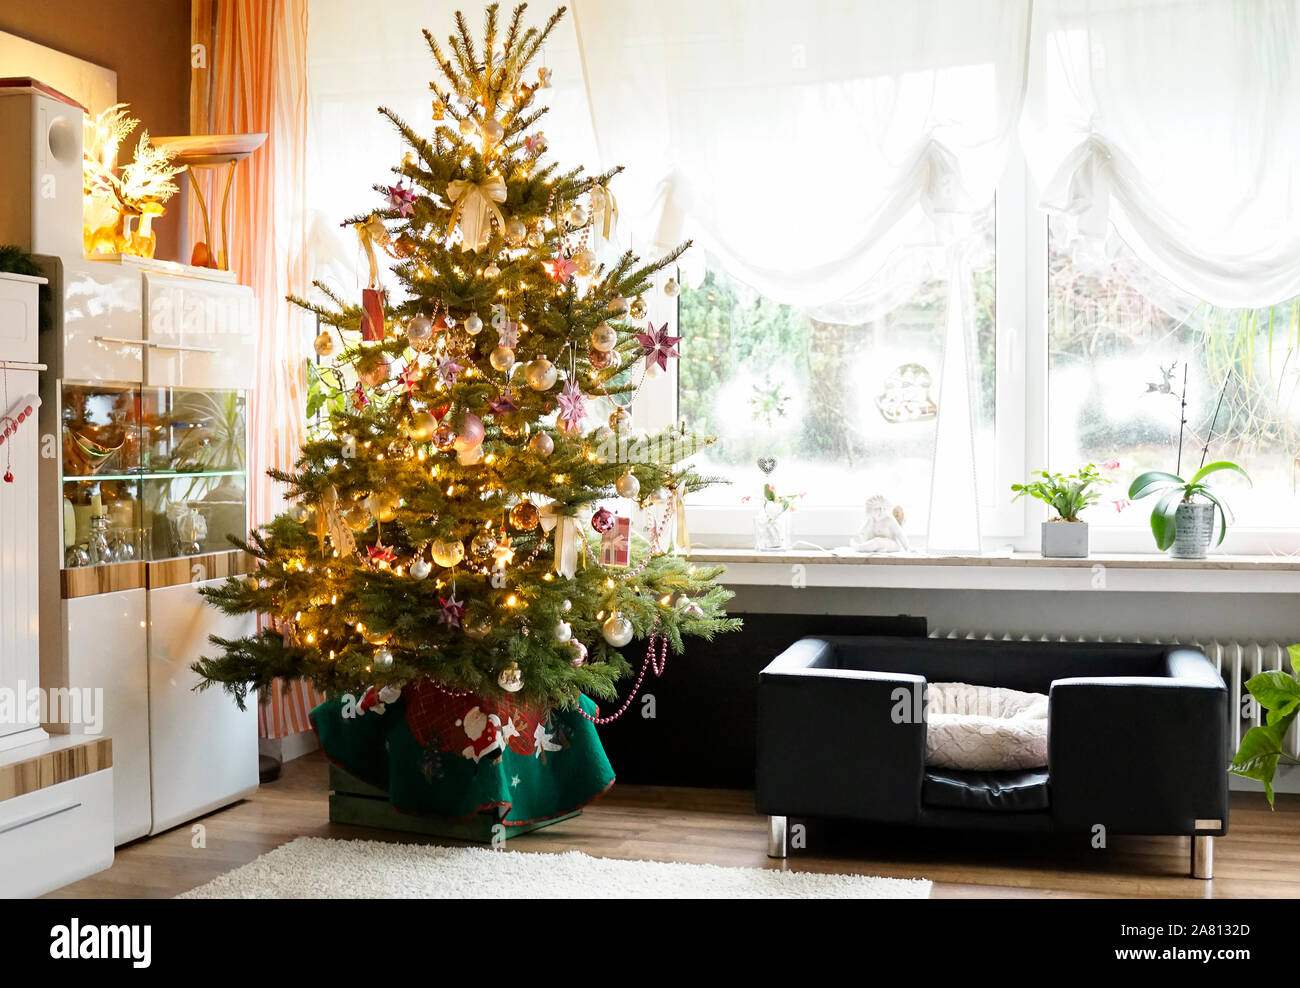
x=474, y=508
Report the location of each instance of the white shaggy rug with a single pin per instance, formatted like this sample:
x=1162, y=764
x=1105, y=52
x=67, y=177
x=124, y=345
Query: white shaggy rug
x=316, y=867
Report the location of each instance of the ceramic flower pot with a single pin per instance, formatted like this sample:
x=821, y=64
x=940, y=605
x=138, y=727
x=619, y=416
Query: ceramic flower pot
x=1194, y=530
x=1065, y=539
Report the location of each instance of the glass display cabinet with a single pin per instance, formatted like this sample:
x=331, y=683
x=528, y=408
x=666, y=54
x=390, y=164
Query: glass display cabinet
x=151, y=473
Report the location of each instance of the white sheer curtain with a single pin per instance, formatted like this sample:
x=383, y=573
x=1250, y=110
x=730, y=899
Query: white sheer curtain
x=802, y=144
x=1177, y=121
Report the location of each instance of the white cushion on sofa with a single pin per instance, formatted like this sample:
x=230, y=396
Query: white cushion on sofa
x=985, y=728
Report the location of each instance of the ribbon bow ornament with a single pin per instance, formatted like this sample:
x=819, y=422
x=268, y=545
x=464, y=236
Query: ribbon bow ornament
x=568, y=532
x=604, y=213
x=369, y=233
x=474, y=207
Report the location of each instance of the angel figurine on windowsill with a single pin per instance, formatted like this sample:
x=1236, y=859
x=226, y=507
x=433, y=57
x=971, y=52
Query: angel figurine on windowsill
x=882, y=530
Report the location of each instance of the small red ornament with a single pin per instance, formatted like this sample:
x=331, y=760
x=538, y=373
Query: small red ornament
x=9, y=476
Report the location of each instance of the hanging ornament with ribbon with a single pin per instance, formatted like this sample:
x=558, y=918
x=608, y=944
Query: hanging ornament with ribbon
x=604, y=214
x=369, y=233
x=566, y=531
x=474, y=209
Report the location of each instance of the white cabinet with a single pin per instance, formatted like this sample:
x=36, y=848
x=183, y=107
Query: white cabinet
x=204, y=751
x=107, y=652
x=97, y=308
x=56, y=835
x=198, y=333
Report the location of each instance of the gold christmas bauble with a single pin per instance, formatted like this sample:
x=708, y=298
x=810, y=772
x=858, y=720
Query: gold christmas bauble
x=621, y=420
x=419, y=329
x=358, y=518
x=467, y=127
x=482, y=545
x=447, y=554
x=584, y=263
x=637, y=309
x=493, y=131
x=444, y=438
x=502, y=358
x=473, y=324
x=382, y=505
x=577, y=215
x=671, y=288
x=540, y=374
x=478, y=630
x=422, y=427
x=299, y=512
x=525, y=516
x=324, y=344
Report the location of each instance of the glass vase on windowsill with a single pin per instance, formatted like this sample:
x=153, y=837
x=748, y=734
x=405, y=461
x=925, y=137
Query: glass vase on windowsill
x=772, y=520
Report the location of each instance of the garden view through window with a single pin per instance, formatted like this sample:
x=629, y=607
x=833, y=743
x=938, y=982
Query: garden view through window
x=847, y=410
x=1121, y=345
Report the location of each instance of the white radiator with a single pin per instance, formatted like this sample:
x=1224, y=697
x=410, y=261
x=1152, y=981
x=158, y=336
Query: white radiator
x=1236, y=662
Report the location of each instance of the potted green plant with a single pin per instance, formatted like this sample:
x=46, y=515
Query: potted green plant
x=1277, y=692
x=1183, y=520
x=1064, y=536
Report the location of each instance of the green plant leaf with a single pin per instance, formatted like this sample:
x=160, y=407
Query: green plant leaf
x=1216, y=467
x=1164, y=525
x=1150, y=482
x=1274, y=690
x=1294, y=652
x=1260, y=749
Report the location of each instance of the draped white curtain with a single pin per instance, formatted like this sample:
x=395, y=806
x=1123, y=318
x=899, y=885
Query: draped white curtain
x=801, y=144
x=1178, y=123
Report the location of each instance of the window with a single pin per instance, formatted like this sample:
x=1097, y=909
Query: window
x=1122, y=345
x=1089, y=337
x=845, y=409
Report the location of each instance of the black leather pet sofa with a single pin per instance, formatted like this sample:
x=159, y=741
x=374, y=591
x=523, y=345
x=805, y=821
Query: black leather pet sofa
x=1137, y=738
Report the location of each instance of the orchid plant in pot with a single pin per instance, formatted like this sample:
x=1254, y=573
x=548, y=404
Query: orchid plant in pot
x=1065, y=536
x=1183, y=519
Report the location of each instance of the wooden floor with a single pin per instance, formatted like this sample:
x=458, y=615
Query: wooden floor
x=1260, y=858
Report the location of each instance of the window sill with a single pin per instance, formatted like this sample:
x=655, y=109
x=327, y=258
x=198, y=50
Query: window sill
x=1130, y=573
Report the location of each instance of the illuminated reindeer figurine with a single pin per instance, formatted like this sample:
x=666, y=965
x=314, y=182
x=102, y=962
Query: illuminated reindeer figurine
x=139, y=191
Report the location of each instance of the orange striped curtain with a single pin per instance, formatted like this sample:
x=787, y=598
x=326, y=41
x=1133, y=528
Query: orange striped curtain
x=255, y=81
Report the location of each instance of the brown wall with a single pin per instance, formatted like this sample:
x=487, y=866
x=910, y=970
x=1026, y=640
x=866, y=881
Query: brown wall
x=146, y=42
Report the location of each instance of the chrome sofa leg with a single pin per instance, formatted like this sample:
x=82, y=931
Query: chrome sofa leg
x=776, y=839
x=1202, y=857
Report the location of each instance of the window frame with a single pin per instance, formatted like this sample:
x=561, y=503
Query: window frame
x=1022, y=396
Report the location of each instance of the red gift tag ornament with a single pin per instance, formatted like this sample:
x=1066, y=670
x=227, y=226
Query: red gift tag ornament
x=372, y=315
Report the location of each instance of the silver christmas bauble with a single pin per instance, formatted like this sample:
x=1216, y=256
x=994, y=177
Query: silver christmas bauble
x=419, y=329
x=383, y=657
x=492, y=271
x=627, y=485
x=671, y=288
x=584, y=263
x=420, y=568
x=617, y=630
x=577, y=215
x=604, y=337
x=563, y=631
x=516, y=231
x=473, y=324
x=618, y=305
x=540, y=374
x=493, y=131
x=299, y=512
